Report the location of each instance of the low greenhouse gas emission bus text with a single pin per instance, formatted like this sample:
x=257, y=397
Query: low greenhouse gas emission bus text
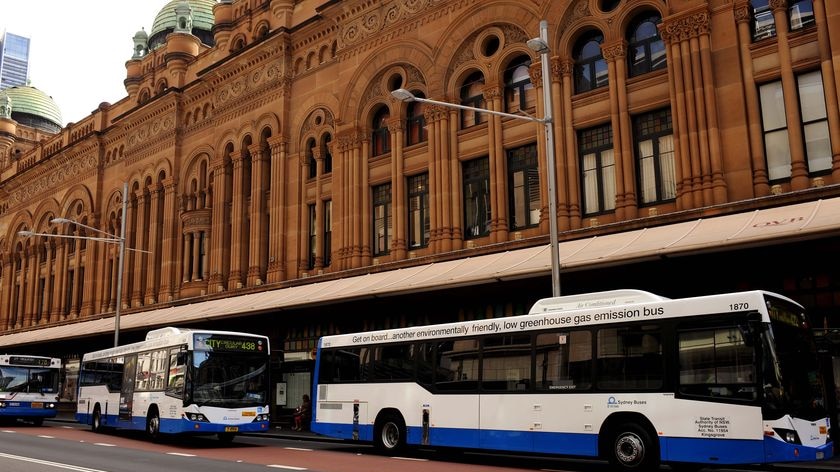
x=178, y=381
x=625, y=375
x=29, y=387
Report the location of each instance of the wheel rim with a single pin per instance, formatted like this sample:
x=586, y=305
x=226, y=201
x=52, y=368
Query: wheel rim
x=629, y=449
x=390, y=435
x=154, y=425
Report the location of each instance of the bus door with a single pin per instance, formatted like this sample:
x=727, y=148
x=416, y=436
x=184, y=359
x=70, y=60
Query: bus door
x=505, y=410
x=127, y=389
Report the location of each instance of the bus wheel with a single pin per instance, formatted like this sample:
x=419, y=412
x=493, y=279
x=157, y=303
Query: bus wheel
x=226, y=437
x=633, y=449
x=38, y=421
x=389, y=434
x=96, y=422
x=153, y=424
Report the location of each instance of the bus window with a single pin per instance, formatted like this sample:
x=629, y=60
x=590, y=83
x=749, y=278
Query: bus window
x=630, y=358
x=506, y=363
x=564, y=361
x=393, y=362
x=716, y=363
x=457, y=365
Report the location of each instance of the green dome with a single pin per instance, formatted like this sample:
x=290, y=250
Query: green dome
x=28, y=100
x=202, y=17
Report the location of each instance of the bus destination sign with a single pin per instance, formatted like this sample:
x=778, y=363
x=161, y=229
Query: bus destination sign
x=225, y=343
x=31, y=361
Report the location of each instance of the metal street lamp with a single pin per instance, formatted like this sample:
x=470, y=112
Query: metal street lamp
x=108, y=238
x=539, y=45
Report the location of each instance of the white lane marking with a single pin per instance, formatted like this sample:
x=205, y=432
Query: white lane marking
x=104, y=444
x=298, y=449
x=9, y=431
x=51, y=464
x=45, y=436
x=410, y=459
x=288, y=467
x=182, y=454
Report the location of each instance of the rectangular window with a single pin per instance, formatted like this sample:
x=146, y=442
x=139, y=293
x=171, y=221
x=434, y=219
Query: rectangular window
x=773, y=120
x=381, y=219
x=506, y=363
x=395, y=363
x=801, y=14
x=476, y=198
x=313, y=235
x=457, y=365
x=630, y=358
x=597, y=167
x=327, y=232
x=524, y=187
x=418, y=211
x=763, y=25
x=716, y=362
x=814, y=121
x=655, y=157
x=564, y=361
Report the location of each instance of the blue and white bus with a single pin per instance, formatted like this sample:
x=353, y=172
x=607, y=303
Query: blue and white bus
x=178, y=381
x=626, y=376
x=29, y=387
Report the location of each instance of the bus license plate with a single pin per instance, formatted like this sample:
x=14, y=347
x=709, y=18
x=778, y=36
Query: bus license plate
x=231, y=429
x=37, y=405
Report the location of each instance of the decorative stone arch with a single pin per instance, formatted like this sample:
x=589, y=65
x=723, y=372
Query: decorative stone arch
x=228, y=137
x=626, y=13
x=319, y=121
x=48, y=206
x=238, y=42
x=577, y=29
x=76, y=193
x=23, y=220
x=410, y=54
x=189, y=165
x=267, y=120
x=261, y=30
x=161, y=86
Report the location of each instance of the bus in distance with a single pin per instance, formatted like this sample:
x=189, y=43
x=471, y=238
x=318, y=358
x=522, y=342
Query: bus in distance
x=29, y=387
x=178, y=381
x=625, y=376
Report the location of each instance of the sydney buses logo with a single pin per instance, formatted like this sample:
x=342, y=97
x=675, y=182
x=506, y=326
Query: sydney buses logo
x=613, y=402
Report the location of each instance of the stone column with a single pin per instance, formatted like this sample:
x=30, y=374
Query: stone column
x=235, y=279
x=277, y=218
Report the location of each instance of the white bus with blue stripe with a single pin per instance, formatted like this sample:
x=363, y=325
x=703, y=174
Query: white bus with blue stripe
x=29, y=387
x=625, y=376
x=178, y=381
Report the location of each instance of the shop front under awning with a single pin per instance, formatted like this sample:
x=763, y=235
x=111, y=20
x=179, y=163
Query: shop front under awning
x=776, y=225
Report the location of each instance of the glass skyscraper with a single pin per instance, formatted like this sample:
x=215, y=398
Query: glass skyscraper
x=14, y=60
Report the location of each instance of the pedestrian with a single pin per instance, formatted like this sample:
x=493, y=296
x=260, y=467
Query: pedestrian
x=303, y=414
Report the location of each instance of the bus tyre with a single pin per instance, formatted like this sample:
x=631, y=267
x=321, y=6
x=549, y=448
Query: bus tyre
x=38, y=421
x=96, y=420
x=633, y=449
x=153, y=425
x=389, y=434
x=226, y=437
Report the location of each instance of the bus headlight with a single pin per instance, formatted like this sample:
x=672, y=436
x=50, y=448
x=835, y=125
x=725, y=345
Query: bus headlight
x=262, y=417
x=50, y=405
x=2, y=404
x=788, y=435
x=196, y=417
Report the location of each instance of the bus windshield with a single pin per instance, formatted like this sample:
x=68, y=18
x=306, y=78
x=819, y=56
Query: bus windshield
x=229, y=380
x=792, y=381
x=28, y=379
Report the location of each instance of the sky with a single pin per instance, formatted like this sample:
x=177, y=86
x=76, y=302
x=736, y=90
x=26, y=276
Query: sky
x=78, y=49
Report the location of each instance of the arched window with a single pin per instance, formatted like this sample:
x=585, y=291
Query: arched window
x=311, y=163
x=472, y=95
x=590, y=66
x=646, y=52
x=326, y=140
x=518, y=84
x=415, y=122
x=381, y=138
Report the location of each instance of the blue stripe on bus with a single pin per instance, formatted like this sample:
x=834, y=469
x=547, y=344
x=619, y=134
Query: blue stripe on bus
x=28, y=412
x=708, y=451
x=173, y=426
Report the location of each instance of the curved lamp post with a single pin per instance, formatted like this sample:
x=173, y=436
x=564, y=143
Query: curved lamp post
x=106, y=238
x=539, y=45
